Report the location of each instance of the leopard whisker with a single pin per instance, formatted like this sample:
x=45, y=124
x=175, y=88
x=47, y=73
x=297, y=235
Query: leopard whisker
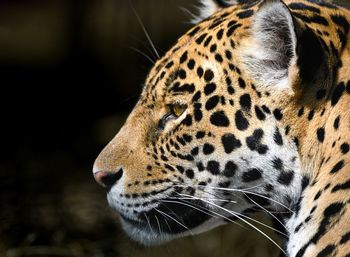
x=148, y=222
x=145, y=32
x=241, y=191
x=143, y=54
x=243, y=220
x=174, y=219
x=256, y=221
x=267, y=211
x=159, y=228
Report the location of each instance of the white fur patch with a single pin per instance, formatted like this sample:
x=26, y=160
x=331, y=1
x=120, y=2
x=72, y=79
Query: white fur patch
x=271, y=50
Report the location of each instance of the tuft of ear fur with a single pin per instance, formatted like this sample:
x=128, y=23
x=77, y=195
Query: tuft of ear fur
x=271, y=50
x=209, y=7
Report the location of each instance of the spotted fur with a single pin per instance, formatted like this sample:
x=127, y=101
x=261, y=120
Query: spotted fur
x=248, y=112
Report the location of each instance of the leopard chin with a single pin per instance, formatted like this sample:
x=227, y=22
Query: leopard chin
x=143, y=233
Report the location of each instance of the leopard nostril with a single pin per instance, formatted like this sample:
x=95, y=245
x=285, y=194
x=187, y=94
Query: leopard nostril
x=108, y=178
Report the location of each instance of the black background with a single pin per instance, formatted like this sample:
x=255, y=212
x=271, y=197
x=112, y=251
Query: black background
x=69, y=76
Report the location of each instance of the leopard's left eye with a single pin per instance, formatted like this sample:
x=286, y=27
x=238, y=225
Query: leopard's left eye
x=177, y=109
x=174, y=112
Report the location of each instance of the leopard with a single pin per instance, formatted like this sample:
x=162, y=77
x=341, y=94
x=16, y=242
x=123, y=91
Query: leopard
x=248, y=112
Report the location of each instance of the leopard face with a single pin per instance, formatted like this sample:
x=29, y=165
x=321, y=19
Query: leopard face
x=216, y=134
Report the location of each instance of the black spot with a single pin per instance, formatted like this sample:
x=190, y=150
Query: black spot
x=180, y=169
x=231, y=23
x=241, y=83
x=344, y=148
x=208, y=75
x=327, y=251
x=200, y=166
x=311, y=114
x=319, y=193
x=230, y=142
x=200, y=134
x=208, y=148
x=188, y=120
x=184, y=88
x=182, y=74
x=219, y=34
x=228, y=54
x=343, y=186
x=241, y=121
x=252, y=175
x=194, y=31
x=285, y=178
x=343, y=22
x=266, y=109
x=345, y=238
x=196, y=96
x=224, y=184
x=209, y=88
x=302, y=6
x=254, y=144
x=187, y=138
x=212, y=102
x=191, y=63
x=201, y=38
x=218, y=57
x=200, y=72
x=336, y=122
x=277, y=163
x=287, y=130
x=301, y=112
x=213, y=48
x=198, y=115
x=164, y=158
x=213, y=167
x=304, y=183
x=245, y=14
x=269, y=187
x=232, y=29
x=219, y=119
x=259, y=114
x=348, y=87
x=230, y=169
x=333, y=209
x=183, y=57
x=207, y=41
x=320, y=134
x=189, y=173
x=338, y=92
x=169, y=64
x=230, y=90
x=337, y=167
x=312, y=19
x=245, y=102
x=278, y=114
x=277, y=137
x=195, y=151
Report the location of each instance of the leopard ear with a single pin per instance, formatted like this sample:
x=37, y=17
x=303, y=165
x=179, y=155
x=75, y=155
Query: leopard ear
x=281, y=52
x=209, y=7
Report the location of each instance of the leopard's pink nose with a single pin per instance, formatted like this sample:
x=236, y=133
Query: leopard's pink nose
x=108, y=178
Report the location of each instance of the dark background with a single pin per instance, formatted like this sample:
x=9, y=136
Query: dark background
x=69, y=75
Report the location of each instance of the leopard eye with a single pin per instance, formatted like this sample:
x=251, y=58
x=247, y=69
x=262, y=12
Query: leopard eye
x=177, y=109
x=174, y=112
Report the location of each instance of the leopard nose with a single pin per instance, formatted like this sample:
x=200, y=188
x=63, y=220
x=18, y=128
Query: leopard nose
x=108, y=178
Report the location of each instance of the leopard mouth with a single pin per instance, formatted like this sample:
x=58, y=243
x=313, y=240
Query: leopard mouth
x=169, y=220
